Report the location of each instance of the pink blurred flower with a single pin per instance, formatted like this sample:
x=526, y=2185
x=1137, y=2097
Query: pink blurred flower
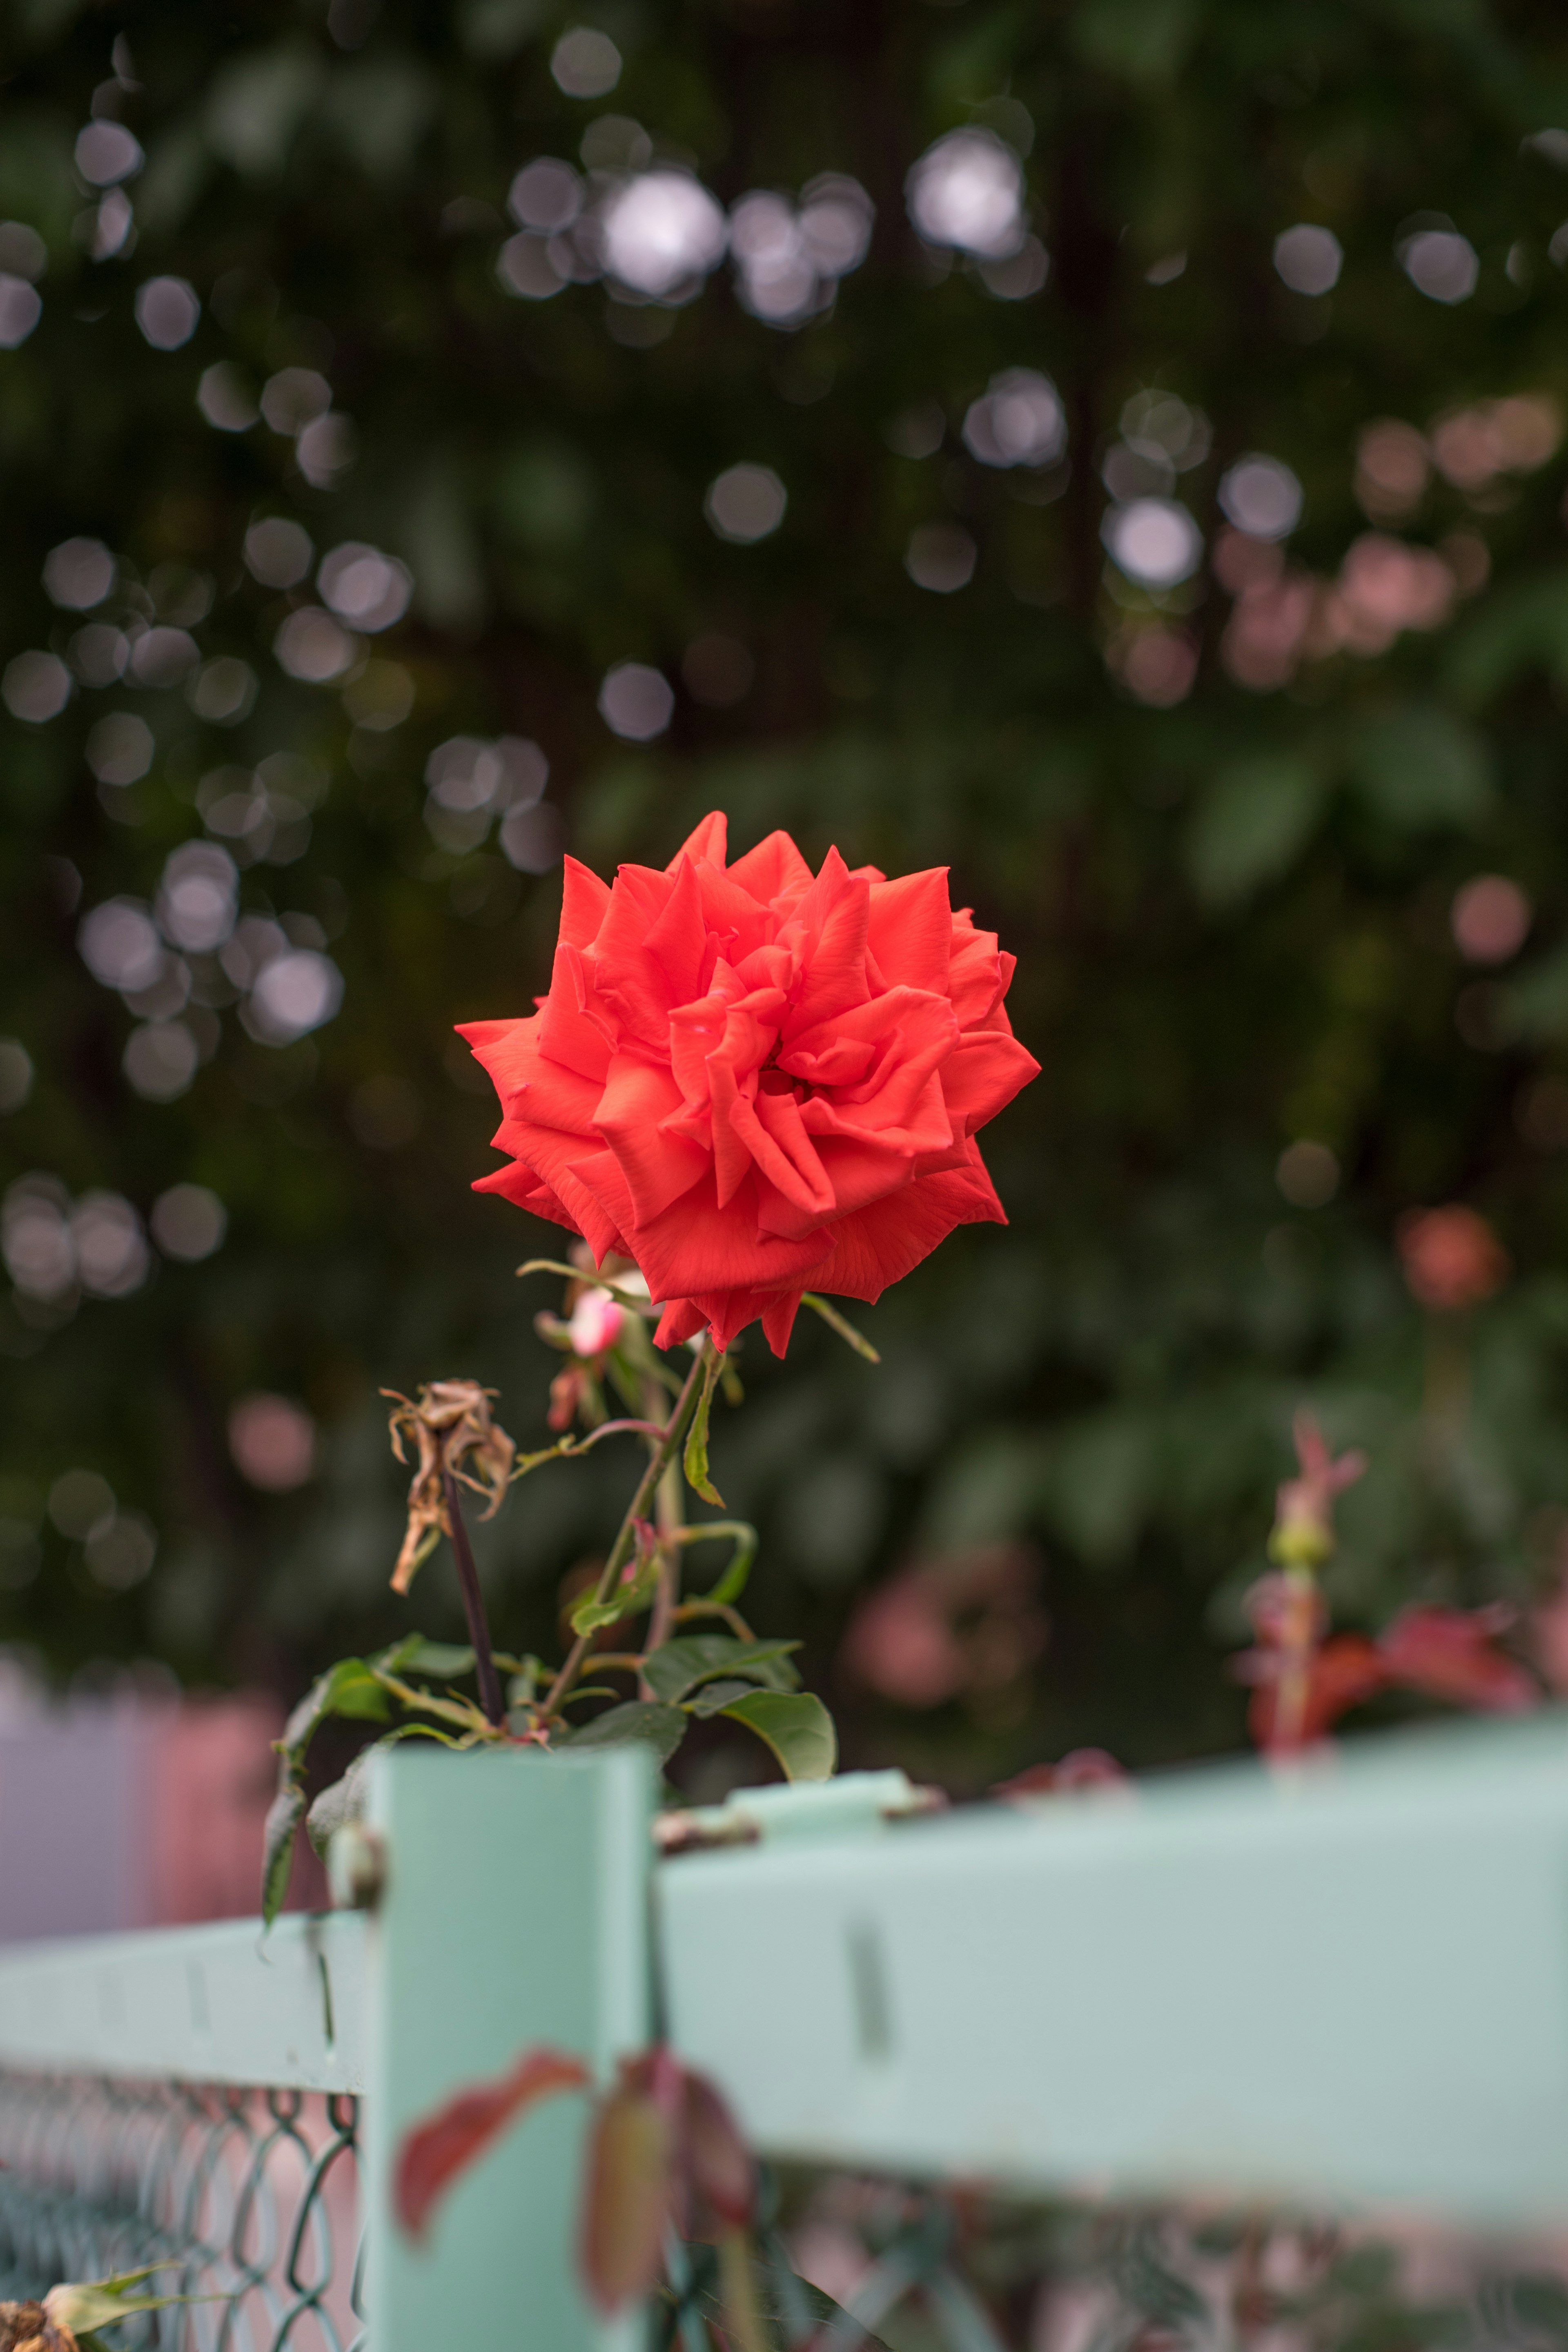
x=1386, y=587
x=1452, y=1257
x=1156, y=664
x=1267, y=632
x=273, y=1441
x=1391, y=469
x=1490, y=919
x=969, y=1622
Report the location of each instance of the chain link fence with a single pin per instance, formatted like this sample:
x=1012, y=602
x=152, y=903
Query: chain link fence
x=247, y=2202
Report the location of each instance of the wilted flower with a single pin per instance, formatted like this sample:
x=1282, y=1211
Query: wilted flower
x=1303, y=1534
x=1452, y=1257
x=32, y=2327
x=452, y=1430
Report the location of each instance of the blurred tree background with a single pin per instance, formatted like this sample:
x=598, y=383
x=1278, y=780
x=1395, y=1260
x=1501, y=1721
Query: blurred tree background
x=1150, y=503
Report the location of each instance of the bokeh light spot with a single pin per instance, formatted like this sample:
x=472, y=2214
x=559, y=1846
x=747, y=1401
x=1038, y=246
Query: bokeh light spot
x=188, y=1223
x=106, y=152
x=272, y=1442
x=1261, y=496
x=1308, y=1174
x=636, y=701
x=662, y=234
x=585, y=63
x=968, y=191
x=1154, y=541
x=36, y=686
x=745, y=503
x=277, y=552
x=79, y=574
x=1309, y=258
x=941, y=557
x=1490, y=919
x=15, y=1074
x=167, y=311
x=119, y=747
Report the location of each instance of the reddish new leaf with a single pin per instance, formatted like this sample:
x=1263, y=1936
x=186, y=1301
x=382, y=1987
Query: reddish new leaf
x=1081, y=1768
x=1448, y=1654
x=630, y=2187
x=1295, y=1704
x=433, y=2154
x=721, y=2177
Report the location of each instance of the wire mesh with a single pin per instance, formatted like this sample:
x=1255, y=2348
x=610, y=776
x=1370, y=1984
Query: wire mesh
x=247, y=2200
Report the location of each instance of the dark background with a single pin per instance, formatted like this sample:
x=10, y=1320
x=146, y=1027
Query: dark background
x=1231, y=914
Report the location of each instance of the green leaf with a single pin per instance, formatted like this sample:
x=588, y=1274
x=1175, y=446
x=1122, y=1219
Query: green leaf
x=1522, y=624
x=733, y=1583
x=662, y=1728
x=356, y=1694
x=446, y=1661
x=677, y=1667
x=284, y=1816
x=712, y=1698
x=336, y=1806
x=795, y=1725
x=696, y=1464
x=625, y=1601
x=1254, y=820
x=349, y=1688
x=1423, y=767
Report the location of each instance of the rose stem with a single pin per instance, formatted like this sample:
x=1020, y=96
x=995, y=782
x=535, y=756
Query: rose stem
x=474, y=1606
x=660, y=1457
x=670, y=1515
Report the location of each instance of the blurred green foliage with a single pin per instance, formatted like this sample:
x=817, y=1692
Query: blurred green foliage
x=1232, y=914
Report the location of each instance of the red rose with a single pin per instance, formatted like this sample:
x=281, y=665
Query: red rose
x=755, y=1083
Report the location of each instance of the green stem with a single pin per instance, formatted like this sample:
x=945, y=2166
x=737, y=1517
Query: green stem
x=659, y=1460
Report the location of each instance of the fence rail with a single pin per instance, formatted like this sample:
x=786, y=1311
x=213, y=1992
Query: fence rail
x=1350, y=1982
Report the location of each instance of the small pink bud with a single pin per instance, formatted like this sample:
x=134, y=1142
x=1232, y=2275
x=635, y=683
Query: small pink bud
x=596, y=1323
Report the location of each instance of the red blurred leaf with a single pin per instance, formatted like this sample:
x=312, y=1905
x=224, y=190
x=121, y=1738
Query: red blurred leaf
x=1448, y=1654
x=630, y=2188
x=434, y=2153
x=721, y=2177
x=1341, y=1675
x=1081, y=1768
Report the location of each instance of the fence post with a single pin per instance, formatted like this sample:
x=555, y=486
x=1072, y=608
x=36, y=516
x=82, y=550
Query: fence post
x=514, y=1911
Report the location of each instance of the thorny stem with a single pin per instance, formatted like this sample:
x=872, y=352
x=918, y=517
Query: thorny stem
x=474, y=1606
x=659, y=1460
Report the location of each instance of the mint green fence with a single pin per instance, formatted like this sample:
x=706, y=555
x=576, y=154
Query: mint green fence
x=1345, y=1987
